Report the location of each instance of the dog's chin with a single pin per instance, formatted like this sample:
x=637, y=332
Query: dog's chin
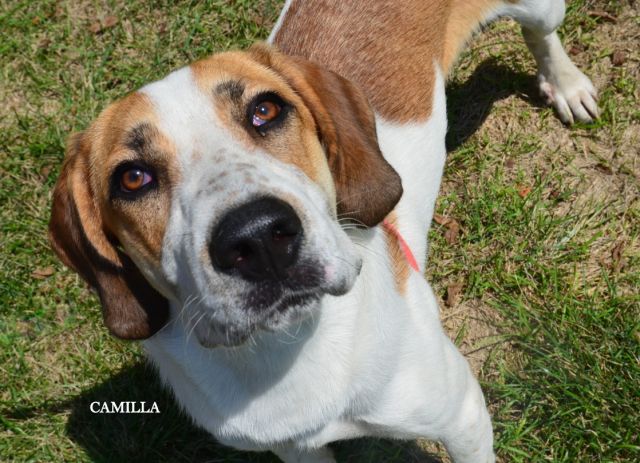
x=280, y=317
x=216, y=338
x=271, y=308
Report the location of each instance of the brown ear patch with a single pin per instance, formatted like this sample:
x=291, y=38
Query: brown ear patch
x=367, y=187
x=132, y=309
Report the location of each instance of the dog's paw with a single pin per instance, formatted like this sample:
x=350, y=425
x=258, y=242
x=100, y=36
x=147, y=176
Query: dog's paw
x=570, y=92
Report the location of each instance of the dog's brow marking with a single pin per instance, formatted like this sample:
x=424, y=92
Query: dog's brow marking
x=139, y=137
x=232, y=89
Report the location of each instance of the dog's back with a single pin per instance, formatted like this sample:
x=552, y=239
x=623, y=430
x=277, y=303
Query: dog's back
x=400, y=53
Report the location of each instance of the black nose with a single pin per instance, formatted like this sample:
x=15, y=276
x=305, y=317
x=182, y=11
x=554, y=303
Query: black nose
x=260, y=240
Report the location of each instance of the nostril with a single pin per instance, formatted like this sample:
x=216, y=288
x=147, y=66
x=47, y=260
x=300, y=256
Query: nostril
x=233, y=255
x=240, y=253
x=285, y=230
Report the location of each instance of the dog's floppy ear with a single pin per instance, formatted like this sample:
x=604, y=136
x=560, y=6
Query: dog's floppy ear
x=367, y=187
x=132, y=309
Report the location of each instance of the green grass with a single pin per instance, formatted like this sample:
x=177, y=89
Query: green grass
x=557, y=270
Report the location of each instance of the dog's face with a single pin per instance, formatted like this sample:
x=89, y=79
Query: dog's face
x=222, y=188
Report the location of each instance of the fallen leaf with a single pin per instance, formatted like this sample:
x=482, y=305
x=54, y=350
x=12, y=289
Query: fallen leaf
x=453, y=227
x=45, y=171
x=523, y=190
x=453, y=294
x=603, y=15
x=616, y=256
x=109, y=21
x=453, y=230
x=95, y=27
x=44, y=43
x=509, y=163
x=618, y=58
x=605, y=169
x=42, y=273
x=576, y=49
x=441, y=219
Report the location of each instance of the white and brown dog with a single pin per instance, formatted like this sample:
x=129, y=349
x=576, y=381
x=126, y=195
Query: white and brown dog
x=255, y=220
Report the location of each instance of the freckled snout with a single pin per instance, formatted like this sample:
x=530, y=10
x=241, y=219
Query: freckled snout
x=259, y=241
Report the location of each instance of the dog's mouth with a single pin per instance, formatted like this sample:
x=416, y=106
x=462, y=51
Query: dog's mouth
x=291, y=301
x=287, y=308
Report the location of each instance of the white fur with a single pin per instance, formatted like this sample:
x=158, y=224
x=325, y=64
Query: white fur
x=371, y=362
x=278, y=25
x=560, y=82
x=417, y=152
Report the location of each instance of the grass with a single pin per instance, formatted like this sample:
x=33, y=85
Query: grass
x=547, y=257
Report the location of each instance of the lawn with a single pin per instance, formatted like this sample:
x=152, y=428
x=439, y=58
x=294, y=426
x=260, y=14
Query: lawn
x=535, y=252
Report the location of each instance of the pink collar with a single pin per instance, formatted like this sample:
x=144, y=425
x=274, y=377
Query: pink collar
x=403, y=245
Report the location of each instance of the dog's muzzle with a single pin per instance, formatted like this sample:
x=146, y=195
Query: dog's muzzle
x=268, y=269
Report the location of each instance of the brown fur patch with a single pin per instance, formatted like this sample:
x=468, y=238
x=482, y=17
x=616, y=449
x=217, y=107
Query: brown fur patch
x=386, y=47
x=465, y=18
x=399, y=264
x=139, y=225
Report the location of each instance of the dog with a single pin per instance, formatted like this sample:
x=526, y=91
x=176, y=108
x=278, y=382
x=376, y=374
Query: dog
x=259, y=219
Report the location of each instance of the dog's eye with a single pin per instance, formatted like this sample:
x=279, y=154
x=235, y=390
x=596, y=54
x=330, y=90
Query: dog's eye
x=134, y=178
x=264, y=112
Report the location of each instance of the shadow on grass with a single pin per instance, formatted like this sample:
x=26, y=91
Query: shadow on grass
x=171, y=437
x=469, y=102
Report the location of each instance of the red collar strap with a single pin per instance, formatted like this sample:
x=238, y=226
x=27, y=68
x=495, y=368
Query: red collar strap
x=403, y=245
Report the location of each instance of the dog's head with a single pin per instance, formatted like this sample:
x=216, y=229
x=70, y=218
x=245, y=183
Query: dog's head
x=222, y=188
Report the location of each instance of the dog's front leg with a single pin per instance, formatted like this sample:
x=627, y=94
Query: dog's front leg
x=292, y=454
x=468, y=437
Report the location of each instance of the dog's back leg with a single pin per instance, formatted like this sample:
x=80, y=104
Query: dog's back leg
x=561, y=83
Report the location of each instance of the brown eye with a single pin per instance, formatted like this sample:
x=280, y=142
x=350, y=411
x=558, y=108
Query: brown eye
x=135, y=178
x=264, y=112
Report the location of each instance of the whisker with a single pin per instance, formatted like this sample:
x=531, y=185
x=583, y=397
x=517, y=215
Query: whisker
x=194, y=326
